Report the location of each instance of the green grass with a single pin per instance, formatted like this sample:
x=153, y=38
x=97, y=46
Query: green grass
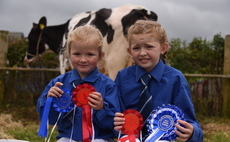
x=28, y=133
x=216, y=129
x=220, y=137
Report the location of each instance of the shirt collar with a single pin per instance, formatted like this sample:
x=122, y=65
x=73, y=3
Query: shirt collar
x=92, y=77
x=156, y=73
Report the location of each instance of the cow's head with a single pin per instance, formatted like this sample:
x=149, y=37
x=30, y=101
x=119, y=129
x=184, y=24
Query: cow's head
x=36, y=42
x=139, y=13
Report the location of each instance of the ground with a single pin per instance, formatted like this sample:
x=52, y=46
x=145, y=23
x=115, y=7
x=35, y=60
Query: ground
x=212, y=126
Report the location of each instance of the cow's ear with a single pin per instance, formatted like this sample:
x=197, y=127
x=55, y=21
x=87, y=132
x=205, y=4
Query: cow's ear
x=42, y=23
x=34, y=25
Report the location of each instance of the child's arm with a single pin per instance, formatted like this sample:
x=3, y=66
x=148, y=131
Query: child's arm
x=187, y=131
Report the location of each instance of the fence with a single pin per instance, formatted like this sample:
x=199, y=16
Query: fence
x=24, y=86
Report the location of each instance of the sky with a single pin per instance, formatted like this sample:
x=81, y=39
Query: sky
x=184, y=19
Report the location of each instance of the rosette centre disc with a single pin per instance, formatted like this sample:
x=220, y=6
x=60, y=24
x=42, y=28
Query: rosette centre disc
x=131, y=121
x=64, y=101
x=82, y=95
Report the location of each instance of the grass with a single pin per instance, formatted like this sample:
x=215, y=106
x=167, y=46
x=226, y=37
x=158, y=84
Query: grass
x=23, y=124
x=216, y=129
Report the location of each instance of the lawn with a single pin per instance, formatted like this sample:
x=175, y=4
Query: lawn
x=22, y=124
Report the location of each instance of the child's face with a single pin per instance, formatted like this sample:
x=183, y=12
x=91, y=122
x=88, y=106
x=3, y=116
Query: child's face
x=84, y=57
x=146, y=50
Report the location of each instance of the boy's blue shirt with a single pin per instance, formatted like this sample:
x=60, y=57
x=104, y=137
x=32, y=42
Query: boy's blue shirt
x=168, y=86
x=102, y=119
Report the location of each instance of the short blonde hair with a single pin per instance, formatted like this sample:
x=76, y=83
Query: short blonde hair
x=152, y=27
x=86, y=33
x=147, y=26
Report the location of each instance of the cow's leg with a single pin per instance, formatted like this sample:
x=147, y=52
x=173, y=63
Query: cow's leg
x=62, y=62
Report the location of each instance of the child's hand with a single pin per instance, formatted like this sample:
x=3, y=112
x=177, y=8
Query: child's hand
x=96, y=101
x=187, y=131
x=118, y=121
x=55, y=91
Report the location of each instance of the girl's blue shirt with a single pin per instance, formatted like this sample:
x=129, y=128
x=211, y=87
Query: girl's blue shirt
x=102, y=119
x=168, y=86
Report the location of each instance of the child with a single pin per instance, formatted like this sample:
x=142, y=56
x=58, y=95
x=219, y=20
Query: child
x=84, y=50
x=148, y=44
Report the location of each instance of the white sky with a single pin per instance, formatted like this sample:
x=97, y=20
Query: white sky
x=184, y=19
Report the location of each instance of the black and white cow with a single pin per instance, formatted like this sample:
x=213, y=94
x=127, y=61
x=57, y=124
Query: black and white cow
x=112, y=23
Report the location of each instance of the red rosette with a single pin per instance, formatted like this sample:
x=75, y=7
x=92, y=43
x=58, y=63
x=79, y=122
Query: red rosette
x=133, y=124
x=81, y=94
x=80, y=98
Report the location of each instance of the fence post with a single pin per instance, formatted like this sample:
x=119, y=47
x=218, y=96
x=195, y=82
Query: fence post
x=3, y=51
x=226, y=82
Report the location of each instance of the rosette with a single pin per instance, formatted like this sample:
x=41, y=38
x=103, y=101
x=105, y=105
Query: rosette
x=80, y=98
x=81, y=94
x=161, y=122
x=63, y=103
x=132, y=126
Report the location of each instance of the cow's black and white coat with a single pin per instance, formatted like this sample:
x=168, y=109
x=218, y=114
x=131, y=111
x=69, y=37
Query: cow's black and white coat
x=112, y=23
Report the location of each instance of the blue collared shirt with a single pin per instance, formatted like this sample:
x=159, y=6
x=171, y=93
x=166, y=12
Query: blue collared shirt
x=168, y=86
x=102, y=119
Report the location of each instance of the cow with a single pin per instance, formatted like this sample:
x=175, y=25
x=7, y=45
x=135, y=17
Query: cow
x=112, y=23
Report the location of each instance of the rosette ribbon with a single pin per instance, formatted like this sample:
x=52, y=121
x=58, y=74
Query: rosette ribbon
x=161, y=123
x=132, y=126
x=80, y=98
x=61, y=104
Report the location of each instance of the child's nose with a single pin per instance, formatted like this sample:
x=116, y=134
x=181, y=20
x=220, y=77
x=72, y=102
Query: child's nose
x=83, y=59
x=143, y=51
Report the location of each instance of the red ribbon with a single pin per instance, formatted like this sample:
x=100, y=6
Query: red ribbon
x=133, y=125
x=80, y=98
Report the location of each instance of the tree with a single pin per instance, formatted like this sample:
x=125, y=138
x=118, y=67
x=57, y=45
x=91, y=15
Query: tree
x=218, y=46
x=199, y=56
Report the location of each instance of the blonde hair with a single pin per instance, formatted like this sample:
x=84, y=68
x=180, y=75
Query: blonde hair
x=86, y=33
x=145, y=27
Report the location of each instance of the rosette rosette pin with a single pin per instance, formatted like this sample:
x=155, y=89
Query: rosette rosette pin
x=64, y=103
x=161, y=123
x=61, y=104
x=132, y=126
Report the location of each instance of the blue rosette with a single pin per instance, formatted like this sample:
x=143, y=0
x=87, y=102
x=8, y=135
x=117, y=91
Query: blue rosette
x=61, y=104
x=160, y=123
x=64, y=103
